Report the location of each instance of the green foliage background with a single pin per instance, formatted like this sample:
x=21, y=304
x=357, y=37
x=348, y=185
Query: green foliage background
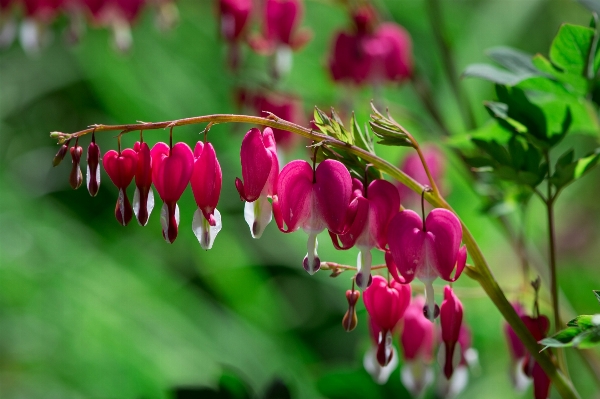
x=89, y=309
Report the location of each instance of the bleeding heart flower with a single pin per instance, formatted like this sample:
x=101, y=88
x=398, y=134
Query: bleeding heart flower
x=425, y=250
x=171, y=173
x=538, y=327
x=386, y=303
x=206, y=184
x=233, y=21
x=517, y=353
x=93, y=171
x=417, y=348
x=143, y=198
x=379, y=373
x=75, y=178
x=451, y=315
x=281, y=18
x=121, y=167
x=260, y=170
x=312, y=200
x=370, y=211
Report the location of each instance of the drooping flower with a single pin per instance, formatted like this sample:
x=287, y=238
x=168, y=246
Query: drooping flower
x=93, y=169
x=517, y=353
x=75, y=178
x=171, y=173
x=451, y=316
x=469, y=359
x=60, y=154
x=312, y=200
x=413, y=167
x=379, y=373
x=538, y=327
x=386, y=303
x=118, y=15
x=350, y=320
x=260, y=170
x=417, y=348
x=280, y=27
x=425, y=250
x=234, y=15
x=143, y=197
x=370, y=54
x=371, y=210
x=121, y=167
x=206, y=184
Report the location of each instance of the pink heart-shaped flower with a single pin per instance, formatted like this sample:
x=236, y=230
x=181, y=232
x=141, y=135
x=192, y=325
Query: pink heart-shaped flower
x=171, y=170
x=120, y=167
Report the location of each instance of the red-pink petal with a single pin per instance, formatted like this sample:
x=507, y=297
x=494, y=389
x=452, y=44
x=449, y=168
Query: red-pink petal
x=171, y=172
x=120, y=167
x=333, y=188
x=206, y=181
x=447, y=232
x=451, y=315
x=294, y=190
x=386, y=302
x=541, y=382
x=256, y=166
x=384, y=203
x=417, y=332
x=406, y=241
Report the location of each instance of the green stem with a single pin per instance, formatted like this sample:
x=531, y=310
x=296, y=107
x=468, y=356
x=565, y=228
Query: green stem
x=480, y=271
x=437, y=25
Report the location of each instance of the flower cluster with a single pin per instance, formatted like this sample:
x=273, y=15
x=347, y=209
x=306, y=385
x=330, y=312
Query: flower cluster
x=39, y=15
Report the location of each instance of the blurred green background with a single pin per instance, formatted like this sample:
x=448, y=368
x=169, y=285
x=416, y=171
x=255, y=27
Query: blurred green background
x=89, y=309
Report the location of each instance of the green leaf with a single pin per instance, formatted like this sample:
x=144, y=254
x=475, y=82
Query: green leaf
x=597, y=293
x=495, y=150
x=494, y=74
x=584, y=165
x=582, y=332
x=568, y=170
x=571, y=47
x=361, y=139
x=514, y=60
x=562, y=338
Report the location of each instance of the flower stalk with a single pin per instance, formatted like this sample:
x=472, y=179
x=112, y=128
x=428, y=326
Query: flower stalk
x=480, y=270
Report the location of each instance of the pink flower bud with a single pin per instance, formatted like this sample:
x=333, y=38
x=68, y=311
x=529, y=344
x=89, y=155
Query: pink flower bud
x=206, y=184
x=425, y=250
x=313, y=201
x=260, y=171
x=171, y=173
x=369, y=214
x=233, y=18
x=93, y=170
x=75, y=178
x=350, y=320
x=451, y=315
x=60, y=155
x=121, y=169
x=143, y=198
x=386, y=303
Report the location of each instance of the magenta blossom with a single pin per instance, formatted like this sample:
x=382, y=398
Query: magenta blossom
x=260, y=170
x=386, y=303
x=371, y=210
x=283, y=106
x=206, y=184
x=121, y=167
x=451, y=316
x=234, y=16
x=143, y=197
x=171, y=173
x=425, y=250
x=93, y=169
x=379, y=373
x=538, y=327
x=280, y=27
x=469, y=358
x=312, y=200
x=417, y=340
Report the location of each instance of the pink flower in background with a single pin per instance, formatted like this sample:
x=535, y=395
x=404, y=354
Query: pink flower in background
x=426, y=250
x=233, y=19
x=143, y=197
x=386, y=303
x=417, y=339
x=412, y=166
x=121, y=167
x=93, y=170
x=283, y=106
x=118, y=15
x=33, y=31
x=312, y=200
x=206, y=184
x=281, y=19
x=371, y=209
x=469, y=359
x=538, y=327
x=171, y=172
x=260, y=171
x=370, y=54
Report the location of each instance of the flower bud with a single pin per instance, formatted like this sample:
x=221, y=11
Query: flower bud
x=76, y=178
x=93, y=171
x=350, y=320
x=451, y=315
x=60, y=155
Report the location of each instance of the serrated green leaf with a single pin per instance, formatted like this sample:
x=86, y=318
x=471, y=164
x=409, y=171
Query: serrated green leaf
x=495, y=150
x=399, y=142
x=360, y=139
x=563, y=338
x=583, y=321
